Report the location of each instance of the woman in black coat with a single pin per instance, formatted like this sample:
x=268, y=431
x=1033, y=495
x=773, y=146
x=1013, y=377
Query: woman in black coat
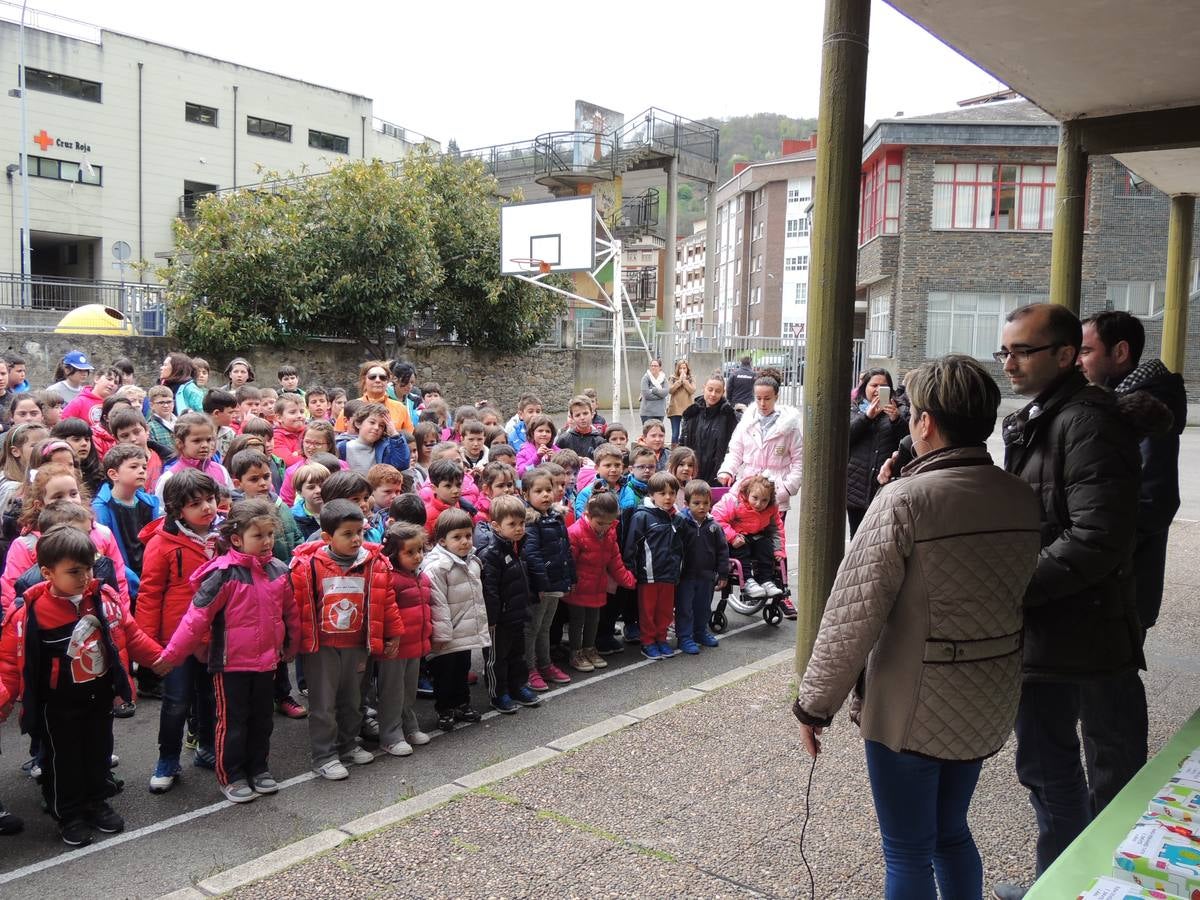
x=876, y=430
x=707, y=426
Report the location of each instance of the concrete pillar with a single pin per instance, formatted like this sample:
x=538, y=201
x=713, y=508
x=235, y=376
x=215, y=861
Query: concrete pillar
x=1070, y=217
x=830, y=313
x=710, y=258
x=668, y=310
x=1179, y=264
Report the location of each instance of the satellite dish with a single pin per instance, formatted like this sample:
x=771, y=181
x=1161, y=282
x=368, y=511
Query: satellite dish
x=121, y=251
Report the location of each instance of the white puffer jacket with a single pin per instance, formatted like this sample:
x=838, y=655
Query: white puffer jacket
x=456, y=602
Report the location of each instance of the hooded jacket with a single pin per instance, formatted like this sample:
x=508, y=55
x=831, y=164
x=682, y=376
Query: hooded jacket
x=707, y=430
x=583, y=444
x=312, y=566
x=85, y=406
x=168, y=563
x=778, y=455
x=244, y=609
x=598, y=565
x=104, y=507
x=412, y=600
x=705, y=549
x=308, y=524
x=548, y=552
x=211, y=468
x=653, y=545
x=505, y=580
x=22, y=553
x=456, y=605
x=739, y=386
x=736, y=517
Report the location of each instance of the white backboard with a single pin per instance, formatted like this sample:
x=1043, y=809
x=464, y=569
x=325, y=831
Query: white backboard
x=562, y=233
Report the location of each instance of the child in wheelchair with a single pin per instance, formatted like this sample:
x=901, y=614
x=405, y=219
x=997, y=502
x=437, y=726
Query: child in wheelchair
x=749, y=517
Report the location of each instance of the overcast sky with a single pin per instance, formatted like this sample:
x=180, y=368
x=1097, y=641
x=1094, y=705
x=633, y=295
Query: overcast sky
x=487, y=73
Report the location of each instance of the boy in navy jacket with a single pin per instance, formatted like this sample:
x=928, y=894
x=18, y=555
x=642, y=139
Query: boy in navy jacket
x=653, y=552
x=705, y=566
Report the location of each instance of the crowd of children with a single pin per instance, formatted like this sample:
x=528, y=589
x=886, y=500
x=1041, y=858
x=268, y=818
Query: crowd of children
x=227, y=539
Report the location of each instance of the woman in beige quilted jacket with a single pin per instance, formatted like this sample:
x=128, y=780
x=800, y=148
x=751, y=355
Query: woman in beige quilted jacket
x=928, y=601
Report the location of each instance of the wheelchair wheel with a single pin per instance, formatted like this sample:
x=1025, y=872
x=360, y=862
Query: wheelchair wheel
x=772, y=614
x=718, y=623
x=747, y=606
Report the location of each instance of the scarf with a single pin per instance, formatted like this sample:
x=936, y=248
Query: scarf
x=660, y=380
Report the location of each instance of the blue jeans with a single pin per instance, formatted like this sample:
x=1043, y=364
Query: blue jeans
x=921, y=805
x=676, y=429
x=186, y=685
x=693, y=606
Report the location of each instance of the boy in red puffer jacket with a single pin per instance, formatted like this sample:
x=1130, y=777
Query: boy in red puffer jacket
x=749, y=516
x=399, y=730
x=599, y=570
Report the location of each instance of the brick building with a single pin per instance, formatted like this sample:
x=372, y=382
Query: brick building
x=955, y=230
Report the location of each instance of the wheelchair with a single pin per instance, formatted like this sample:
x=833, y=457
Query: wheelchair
x=771, y=608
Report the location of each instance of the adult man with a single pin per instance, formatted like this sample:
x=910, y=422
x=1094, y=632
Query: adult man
x=739, y=386
x=1071, y=446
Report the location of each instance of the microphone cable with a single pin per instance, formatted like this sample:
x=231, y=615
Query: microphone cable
x=812, y=884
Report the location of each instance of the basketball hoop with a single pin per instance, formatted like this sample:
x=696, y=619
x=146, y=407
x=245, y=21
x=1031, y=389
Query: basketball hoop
x=532, y=265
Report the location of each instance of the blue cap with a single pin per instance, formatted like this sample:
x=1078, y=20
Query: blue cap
x=77, y=359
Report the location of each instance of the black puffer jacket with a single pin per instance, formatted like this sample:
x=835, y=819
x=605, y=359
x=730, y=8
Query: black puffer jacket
x=872, y=441
x=548, y=551
x=1080, y=457
x=505, y=581
x=707, y=430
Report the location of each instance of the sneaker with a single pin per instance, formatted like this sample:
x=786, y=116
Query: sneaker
x=773, y=590
x=290, y=708
x=708, y=639
x=104, y=818
x=264, y=783
x=149, y=690
x=650, y=651
x=688, y=646
x=418, y=738
x=191, y=741
x=399, y=748
x=466, y=714
x=425, y=687
x=370, y=729
x=164, y=776
x=554, y=674
x=581, y=663
x=1005, y=891
x=537, y=682
x=76, y=833
x=32, y=768
x=665, y=650
x=370, y=712
x=526, y=697
x=124, y=711
x=113, y=761
x=332, y=770
x=504, y=704
x=359, y=756
x=594, y=657
x=789, y=608
x=633, y=634
x=445, y=722
x=10, y=824
x=205, y=759
x=753, y=589
x=238, y=792
x=609, y=645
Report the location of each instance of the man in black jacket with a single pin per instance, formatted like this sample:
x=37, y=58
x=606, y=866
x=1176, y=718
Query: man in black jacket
x=1081, y=625
x=739, y=386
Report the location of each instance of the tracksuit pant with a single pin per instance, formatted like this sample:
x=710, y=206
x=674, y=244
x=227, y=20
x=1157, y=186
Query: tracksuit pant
x=656, y=609
x=75, y=752
x=397, y=684
x=450, y=688
x=245, y=706
x=334, y=677
x=505, y=668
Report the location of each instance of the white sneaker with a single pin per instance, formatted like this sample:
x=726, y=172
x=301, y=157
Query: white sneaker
x=332, y=770
x=773, y=590
x=418, y=738
x=358, y=756
x=753, y=589
x=400, y=748
x=238, y=792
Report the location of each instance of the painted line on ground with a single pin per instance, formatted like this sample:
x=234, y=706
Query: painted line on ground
x=125, y=837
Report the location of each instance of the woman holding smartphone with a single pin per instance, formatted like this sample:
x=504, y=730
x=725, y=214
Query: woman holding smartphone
x=878, y=422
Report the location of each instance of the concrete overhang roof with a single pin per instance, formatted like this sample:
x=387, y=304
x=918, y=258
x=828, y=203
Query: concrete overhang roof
x=1127, y=70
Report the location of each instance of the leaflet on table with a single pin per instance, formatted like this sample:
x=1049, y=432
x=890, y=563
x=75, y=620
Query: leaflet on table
x=1161, y=853
x=1114, y=889
x=1190, y=769
x=1179, y=798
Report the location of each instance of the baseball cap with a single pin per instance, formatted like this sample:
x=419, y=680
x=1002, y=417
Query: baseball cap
x=77, y=359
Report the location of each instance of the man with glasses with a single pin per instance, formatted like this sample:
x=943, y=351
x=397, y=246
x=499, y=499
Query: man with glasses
x=1070, y=444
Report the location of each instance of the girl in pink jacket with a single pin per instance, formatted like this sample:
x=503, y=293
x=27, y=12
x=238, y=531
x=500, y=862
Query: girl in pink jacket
x=749, y=517
x=244, y=605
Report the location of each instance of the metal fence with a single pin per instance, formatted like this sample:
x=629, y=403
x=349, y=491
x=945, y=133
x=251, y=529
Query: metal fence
x=37, y=303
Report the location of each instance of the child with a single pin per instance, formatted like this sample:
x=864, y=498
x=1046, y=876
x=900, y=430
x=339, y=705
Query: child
x=597, y=563
x=580, y=434
x=617, y=434
x=642, y=462
x=337, y=404
x=540, y=445
x=162, y=414
x=267, y=398
x=445, y=492
x=458, y=613
x=399, y=730
x=705, y=567
x=682, y=463
x=386, y=484
x=490, y=418
x=195, y=442
x=245, y=611
x=504, y=454
x=493, y=435
x=496, y=479
x=289, y=429
x=407, y=508
x=289, y=380
x=426, y=436
x=597, y=420
x=66, y=512
x=474, y=453
x=749, y=516
x=251, y=471
x=52, y=404
x=257, y=427
x=654, y=436
x=199, y=365
x=177, y=545
x=78, y=434
x=507, y=596
x=124, y=507
x=220, y=407
x=563, y=478
x=129, y=426
x=430, y=391
x=248, y=398
x=316, y=403
x=551, y=574
x=376, y=440
x=610, y=470
x=528, y=406
x=17, y=447
x=653, y=552
x=65, y=655
x=353, y=486
x=239, y=372
x=25, y=408
x=347, y=612
x=306, y=511
x=319, y=437
x=86, y=406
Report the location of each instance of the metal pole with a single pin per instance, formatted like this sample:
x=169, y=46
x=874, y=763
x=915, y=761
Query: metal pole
x=618, y=330
x=1179, y=264
x=668, y=311
x=1070, y=214
x=26, y=254
x=831, y=312
x=710, y=254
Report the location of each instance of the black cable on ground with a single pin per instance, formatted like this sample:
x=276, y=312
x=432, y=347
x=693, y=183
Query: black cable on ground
x=812, y=884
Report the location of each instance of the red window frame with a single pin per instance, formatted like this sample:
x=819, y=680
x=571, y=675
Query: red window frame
x=875, y=187
x=997, y=185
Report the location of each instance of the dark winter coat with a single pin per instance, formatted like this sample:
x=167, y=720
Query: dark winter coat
x=653, y=546
x=1073, y=448
x=583, y=444
x=505, y=582
x=707, y=430
x=705, y=550
x=547, y=551
x=872, y=441
x=739, y=386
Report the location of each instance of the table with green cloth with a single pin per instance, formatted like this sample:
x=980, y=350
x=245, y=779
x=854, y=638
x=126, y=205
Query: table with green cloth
x=1091, y=854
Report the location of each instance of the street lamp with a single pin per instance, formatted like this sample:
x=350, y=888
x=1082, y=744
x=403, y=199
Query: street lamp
x=26, y=258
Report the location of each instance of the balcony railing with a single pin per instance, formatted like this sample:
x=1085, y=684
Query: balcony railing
x=37, y=303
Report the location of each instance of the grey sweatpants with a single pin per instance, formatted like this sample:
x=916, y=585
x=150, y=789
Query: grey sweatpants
x=537, y=631
x=397, y=699
x=334, y=678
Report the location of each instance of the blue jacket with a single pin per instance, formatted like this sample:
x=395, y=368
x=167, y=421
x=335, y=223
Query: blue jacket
x=392, y=451
x=633, y=493
x=624, y=501
x=705, y=550
x=307, y=524
x=105, y=508
x=548, y=552
x=515, y=431
x=653, y=545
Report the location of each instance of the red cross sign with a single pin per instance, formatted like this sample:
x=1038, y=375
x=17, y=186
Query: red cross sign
x=43, y=140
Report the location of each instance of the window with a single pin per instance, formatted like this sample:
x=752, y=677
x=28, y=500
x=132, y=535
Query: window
x=1195, y=276
x=802, y=292
x=993, y=196
x=64, y=170
x=1144, y=299
x=970, y=323
x=754, y=328
x=796, y=263
x=66, y=85
x=201, y=115
x=879, y=197
x=737, y=266
x=323, y=141
x=756, y=296
x=276, y=131
x=793, y=195
x=739, y=235
x=881, y=327
x=797, y=228
x=193, y=191
x=758, y=197
x=759, y=229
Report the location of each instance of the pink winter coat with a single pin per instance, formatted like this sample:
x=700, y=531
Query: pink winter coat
x=260, y=615
x=213, y=470
x=736, y=516
x=597, y=563
x=22, y=553
x=527, y=457
x=778, y=455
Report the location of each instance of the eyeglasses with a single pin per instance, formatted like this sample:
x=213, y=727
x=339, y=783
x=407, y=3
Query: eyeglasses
x=641, y=468
x=1022, y=353
x=376, y=376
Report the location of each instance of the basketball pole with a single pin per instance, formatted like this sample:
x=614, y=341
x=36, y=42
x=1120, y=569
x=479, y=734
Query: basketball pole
x=618, y=331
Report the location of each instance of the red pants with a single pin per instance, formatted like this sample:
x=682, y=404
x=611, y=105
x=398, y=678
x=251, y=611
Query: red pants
x=656, y=608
